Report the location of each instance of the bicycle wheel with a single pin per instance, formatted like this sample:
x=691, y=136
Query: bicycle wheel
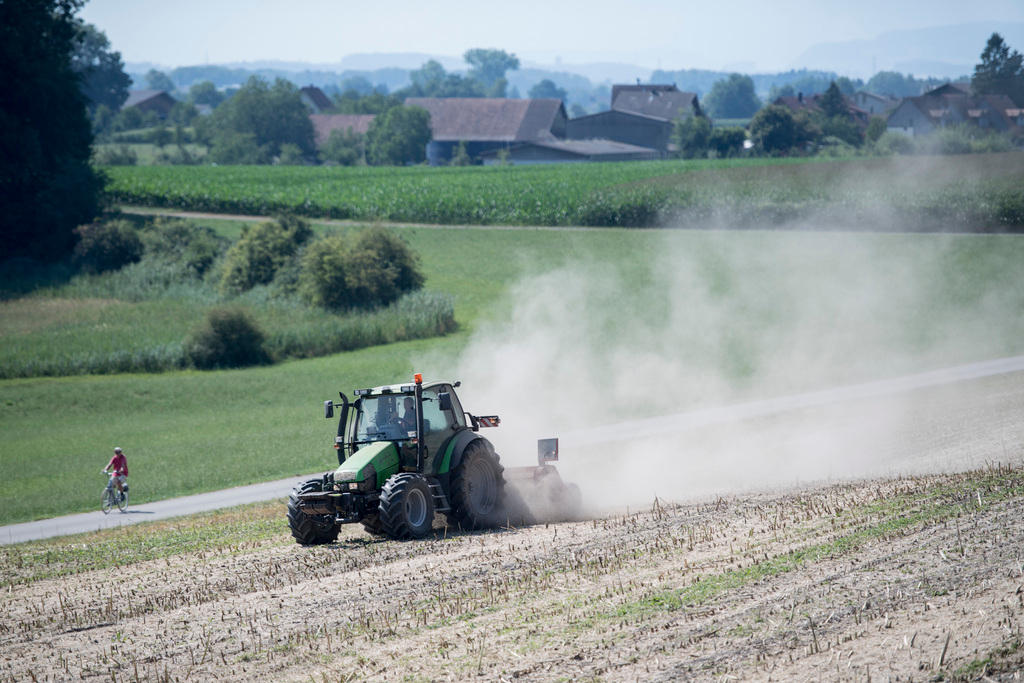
x=122, y=499
x=108, y=500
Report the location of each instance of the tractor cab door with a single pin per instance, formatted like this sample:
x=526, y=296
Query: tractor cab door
x=439, y=425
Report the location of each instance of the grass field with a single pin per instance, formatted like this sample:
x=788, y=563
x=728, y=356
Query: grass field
x=962, y=192
x=811, y=308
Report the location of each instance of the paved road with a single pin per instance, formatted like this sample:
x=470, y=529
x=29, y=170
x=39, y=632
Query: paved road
x=173, y=507
x=665, y=424
x=672, y=424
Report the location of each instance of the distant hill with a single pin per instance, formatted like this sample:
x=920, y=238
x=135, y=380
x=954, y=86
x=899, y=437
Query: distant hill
x=942, y=51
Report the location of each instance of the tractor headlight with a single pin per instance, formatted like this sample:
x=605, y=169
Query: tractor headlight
x=353, y=486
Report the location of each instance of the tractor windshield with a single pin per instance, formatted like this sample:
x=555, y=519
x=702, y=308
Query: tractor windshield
x=385, y=418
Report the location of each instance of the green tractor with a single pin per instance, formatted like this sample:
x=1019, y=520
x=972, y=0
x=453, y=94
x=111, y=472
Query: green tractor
x=406, y=452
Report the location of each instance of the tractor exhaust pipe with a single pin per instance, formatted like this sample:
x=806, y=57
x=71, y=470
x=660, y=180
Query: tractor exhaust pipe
x=418, y=390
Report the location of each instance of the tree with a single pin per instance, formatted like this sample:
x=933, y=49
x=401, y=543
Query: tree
x=692, y=135
x=357, y=84
x=832, y=103
x=847, y=86
x=271, y=115
x=158, y=80
x=47, y=186
x=775, y=130
x=1000, y=72
x=351, y=102
x=489, y=68
x=431, y=80
x=546, y=89
x=893, y=84
x=344, y=147
x=876, y=128
x=732, y=98
x=398, y=136
x=727, y=141
x=205, y=92
x=100, y=71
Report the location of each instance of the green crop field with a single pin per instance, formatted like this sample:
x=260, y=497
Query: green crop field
x=813, y=308
x=962, y=192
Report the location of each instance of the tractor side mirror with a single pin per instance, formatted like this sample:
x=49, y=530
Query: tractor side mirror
x=547, y=451
x=328, y=409
x=444, y=399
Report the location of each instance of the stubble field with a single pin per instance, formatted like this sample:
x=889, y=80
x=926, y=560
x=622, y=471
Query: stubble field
x=915, y=577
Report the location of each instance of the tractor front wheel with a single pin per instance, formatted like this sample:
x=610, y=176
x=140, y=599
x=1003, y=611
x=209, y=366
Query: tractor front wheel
x=406, y=507
x=310, y=529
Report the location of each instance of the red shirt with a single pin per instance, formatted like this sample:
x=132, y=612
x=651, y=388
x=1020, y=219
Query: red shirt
x=119, y=463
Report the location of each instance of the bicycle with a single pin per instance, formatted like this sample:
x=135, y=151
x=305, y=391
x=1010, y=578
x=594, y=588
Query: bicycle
x=111, y=496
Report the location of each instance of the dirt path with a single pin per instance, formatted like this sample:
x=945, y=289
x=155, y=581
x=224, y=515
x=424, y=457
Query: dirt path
x=171, y=213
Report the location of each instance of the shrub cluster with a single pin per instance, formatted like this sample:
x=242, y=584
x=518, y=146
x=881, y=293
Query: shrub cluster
x=106, y=245
x=193, y=247
x=226, y=338
x=261, y=251
x=372, y=270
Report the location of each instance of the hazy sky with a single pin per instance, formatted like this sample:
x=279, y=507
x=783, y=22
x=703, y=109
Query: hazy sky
x=748, y=34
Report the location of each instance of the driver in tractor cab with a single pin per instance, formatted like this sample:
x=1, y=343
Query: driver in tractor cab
x=408, y=421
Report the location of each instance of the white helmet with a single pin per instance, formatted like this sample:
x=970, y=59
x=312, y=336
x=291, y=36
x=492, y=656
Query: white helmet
x=117, y=449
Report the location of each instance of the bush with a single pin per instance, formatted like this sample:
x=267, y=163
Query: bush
x=894, y=143
x=121, y=155
x=727, y=141
x=322, y=278
x=291, y=155
x=104, y=246
x=692, y=135
x=373, y=270
x=194, y=247
x=256, y=257
x=227, y=338
x=344, y=147
x=228, y=147
x=380, y=268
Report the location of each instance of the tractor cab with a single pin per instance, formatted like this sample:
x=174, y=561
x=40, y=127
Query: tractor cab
x=389, y=413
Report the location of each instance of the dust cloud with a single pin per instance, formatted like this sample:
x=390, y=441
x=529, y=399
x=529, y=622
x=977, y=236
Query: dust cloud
x=643, y=366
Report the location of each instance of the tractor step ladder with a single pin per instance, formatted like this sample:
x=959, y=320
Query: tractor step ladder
x=440, y=501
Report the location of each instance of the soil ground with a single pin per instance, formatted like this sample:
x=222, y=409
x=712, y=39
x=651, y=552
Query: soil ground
x=897, y=578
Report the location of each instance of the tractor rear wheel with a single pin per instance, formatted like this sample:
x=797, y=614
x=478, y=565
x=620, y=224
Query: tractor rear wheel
x=406, y=507
x=310, y=529
x=372, y=525
x=477, y=488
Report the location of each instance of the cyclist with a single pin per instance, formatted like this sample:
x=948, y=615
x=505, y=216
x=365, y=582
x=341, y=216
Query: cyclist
x=119, y=463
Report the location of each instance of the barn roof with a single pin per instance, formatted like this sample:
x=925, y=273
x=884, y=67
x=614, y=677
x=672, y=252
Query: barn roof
x=325, y=124
x=479, y=119
x=136, y=97
x=657, y=101
x=317, y=97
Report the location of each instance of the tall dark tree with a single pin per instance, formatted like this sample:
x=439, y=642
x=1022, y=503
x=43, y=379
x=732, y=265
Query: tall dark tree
x=100, y=69
x=833, y=103
x=1000, y=72
x=47, y=186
